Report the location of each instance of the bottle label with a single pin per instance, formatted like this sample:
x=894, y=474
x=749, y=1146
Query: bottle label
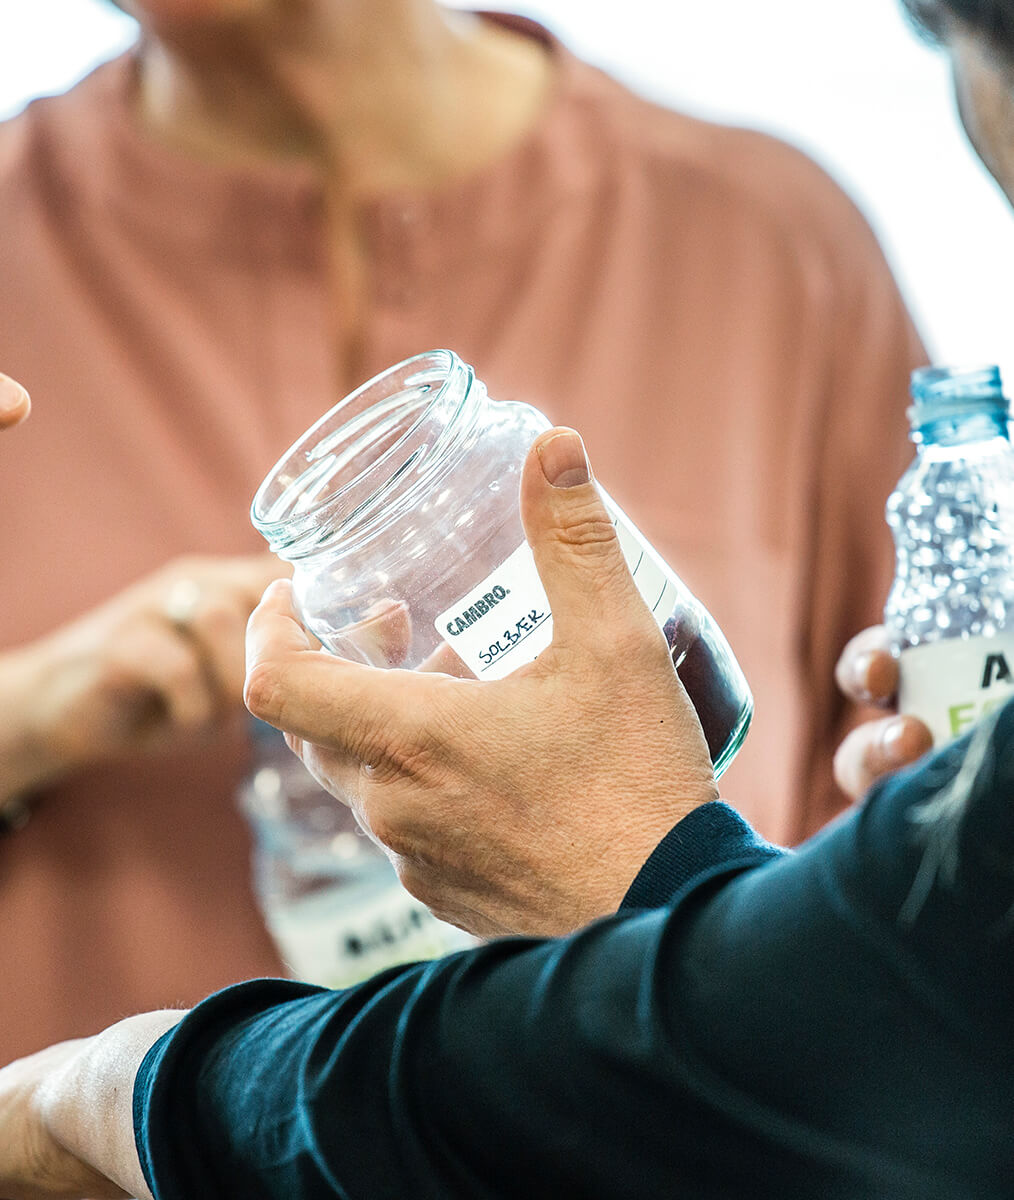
x=338, y=938
x=950, y=684
x=505, y=621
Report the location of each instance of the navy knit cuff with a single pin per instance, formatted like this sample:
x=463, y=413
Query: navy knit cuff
x=711, y=841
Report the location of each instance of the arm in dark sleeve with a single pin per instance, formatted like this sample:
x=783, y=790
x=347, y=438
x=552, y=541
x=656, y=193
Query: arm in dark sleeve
x=774, y=1032
x=251, y=1052
x=711, y=843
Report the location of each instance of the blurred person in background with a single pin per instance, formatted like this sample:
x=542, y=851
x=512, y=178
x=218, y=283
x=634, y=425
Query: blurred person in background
x=210, y=240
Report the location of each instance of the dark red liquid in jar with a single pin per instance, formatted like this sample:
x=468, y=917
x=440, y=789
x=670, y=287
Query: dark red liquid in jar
x=715, y=694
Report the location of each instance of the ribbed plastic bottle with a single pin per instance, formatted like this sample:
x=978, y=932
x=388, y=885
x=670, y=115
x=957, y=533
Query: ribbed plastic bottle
x=330, y=897
x=950, y=612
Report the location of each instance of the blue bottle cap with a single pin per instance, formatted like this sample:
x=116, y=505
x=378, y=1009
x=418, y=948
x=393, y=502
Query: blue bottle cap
x=952, y=394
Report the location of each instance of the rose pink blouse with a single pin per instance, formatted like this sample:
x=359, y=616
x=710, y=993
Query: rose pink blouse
x=703, y=303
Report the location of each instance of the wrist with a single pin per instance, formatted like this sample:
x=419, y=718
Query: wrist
x=54, y=1108
x=86, y=1105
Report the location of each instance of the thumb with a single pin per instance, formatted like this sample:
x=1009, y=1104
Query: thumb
x=355, y=710
x=573, y=539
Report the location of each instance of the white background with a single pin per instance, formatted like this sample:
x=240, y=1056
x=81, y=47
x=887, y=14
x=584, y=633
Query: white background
x=847, y=81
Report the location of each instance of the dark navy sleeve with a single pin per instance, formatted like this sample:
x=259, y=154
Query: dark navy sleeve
x=711, y=843
x=831, y=1023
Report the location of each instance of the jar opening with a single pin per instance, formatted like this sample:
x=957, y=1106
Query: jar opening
x=370, y=451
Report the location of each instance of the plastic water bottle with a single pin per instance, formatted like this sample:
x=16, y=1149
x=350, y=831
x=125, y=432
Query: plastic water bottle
x=950, y=612
x=330, y=897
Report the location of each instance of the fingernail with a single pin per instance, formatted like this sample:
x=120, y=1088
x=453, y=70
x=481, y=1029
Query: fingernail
x=861, y=677
x=12, y=395
x=892, y=741
x=563, y=459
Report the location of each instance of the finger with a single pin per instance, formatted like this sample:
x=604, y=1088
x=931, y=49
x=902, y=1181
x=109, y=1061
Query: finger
x=356, y=710
x=188, y=584
x=209, y=617
x=877, y=748
x=573, y=539
x=273, y=629
x=15, y=404
x=867, y=671
x=153, y=661
x=179, y=675
x=217, y=629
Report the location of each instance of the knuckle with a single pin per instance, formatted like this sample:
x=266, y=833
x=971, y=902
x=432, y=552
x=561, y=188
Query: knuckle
x=392, y=833
x=589, y=540
x=421, y=884
x=413, y=756
x=411, y=759
x=588, y=530
x=262, y=692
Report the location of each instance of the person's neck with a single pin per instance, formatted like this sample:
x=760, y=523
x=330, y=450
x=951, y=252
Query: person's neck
x=384, y=95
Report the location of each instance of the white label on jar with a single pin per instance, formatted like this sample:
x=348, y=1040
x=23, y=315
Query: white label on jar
x=502, y=623
x=505, y=621
x=337, y=937
x=950, y=684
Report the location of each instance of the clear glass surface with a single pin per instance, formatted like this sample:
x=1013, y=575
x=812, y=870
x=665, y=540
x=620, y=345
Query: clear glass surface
x=405, y=497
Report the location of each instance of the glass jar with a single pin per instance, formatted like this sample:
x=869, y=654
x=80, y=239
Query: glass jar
x=399, y=510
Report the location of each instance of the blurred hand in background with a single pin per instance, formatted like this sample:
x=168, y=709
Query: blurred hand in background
x=160, y=661
x=867, y=673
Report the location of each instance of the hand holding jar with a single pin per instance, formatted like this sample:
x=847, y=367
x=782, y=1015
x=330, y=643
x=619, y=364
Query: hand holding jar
x=526, y=803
